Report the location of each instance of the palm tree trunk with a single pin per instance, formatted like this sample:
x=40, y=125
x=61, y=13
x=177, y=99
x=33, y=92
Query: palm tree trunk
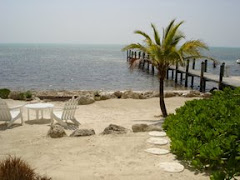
x=161, y=97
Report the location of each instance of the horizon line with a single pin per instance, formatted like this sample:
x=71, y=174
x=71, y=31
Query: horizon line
x=52, y=43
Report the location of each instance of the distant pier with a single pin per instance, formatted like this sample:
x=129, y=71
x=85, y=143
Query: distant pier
x=186, y=74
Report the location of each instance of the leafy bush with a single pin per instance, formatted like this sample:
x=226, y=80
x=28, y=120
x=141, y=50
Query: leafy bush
x=4, y=93
x=206, y=133
x=14, y=168
x=28, y=94
x=17, y=95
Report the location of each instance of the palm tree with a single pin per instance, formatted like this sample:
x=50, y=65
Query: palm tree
x=166, y=51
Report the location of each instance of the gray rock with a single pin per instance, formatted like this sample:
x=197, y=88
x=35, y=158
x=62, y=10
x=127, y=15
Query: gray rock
x=118, y=94
x=130, y=94
x=192, y=94
x=86, y=99
x=170, y=94
x=82, y=132
x=56, y=131
x=145, y=128
x=115, y=129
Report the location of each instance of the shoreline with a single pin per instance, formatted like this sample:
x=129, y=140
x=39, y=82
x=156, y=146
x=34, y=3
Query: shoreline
x=92, y=96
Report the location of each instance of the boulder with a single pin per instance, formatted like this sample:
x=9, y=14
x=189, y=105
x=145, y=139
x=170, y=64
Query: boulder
x=192, y=94
x=115, y=129
x=118, y=94
x=170, y=94
x=82, y=132
x=145, y=128
x=86, y=99
x=130, y=94
x=56, y=131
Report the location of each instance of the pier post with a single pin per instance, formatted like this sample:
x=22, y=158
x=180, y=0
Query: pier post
x=172, y=74
x=176, y=73
x=127, y=54
x=214, y=64
x=135, y=54
x=181, y=77
x=220, y=86
x=139, y=54
x=132, y=54
x=193, y=64
x=192, y=81
x=201, y=77
x=152, y=69
x=186, y=75
x=144, y=61
x=205, y=67
x=148, y=66
x=167, y=73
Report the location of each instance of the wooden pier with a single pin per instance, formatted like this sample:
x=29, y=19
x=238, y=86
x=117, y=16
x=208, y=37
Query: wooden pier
x=187, y=72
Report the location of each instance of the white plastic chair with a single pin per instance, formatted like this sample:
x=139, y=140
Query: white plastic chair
x=67, y=113
x=9, y=115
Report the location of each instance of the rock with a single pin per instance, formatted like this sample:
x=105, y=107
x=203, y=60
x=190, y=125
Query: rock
x=115, y=129
x=145, y=128
x=170, y=94
x=139, y=127
x=86, y=99
x=16, y=95
x=172, y=167
x=118, y=94
x=56, y=131
x=157, y=151
x=142, y=96
x=105, y=96
x=157, y=141
x=82, y=132
x=97, y=98
x=130, y=94
x=192, y=94
x=153, y=127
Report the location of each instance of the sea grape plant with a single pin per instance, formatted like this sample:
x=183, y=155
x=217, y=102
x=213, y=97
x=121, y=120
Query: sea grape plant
x=205, y=133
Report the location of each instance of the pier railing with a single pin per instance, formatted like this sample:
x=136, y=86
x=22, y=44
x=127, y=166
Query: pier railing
x=188, y=72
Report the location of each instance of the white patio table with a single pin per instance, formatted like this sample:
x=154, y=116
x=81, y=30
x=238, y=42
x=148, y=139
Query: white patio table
x=39, y=107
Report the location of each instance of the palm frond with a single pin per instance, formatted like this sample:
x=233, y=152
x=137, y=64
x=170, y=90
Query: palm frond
x=148, y=40
x=156, y=35
x=134, y=46
x=166, y=31
x=173, y=31
x=193, y=48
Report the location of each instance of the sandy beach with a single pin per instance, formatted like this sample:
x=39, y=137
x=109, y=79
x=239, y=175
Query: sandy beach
x=98, y=156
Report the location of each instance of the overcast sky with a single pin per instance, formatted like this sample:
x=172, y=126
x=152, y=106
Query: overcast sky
x=216, y=22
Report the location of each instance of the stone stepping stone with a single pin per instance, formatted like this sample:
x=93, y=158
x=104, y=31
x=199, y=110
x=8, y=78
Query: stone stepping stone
x=157, y=141
x=172, y=167
x=157, y=133
x=157, y=151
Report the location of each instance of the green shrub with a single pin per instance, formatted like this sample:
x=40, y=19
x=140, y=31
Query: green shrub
x=14, y=168
x=4, y=93
x=28, y=94
x=206, y=133
x=17, y=95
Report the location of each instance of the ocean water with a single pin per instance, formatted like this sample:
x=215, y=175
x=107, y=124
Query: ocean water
x=83, y=67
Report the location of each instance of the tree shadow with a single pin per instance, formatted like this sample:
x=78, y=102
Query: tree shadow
x=4, y=127
x=38, y=121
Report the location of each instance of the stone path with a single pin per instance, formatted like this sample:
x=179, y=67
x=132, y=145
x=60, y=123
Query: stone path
x=158, y=139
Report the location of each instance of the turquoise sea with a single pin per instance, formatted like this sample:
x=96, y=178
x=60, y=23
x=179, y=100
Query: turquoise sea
x=84, y=67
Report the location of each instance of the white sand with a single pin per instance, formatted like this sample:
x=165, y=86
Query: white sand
x=95, y=157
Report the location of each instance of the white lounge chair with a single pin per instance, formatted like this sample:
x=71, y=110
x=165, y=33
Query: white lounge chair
x=67, y=113
x=9, y=115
